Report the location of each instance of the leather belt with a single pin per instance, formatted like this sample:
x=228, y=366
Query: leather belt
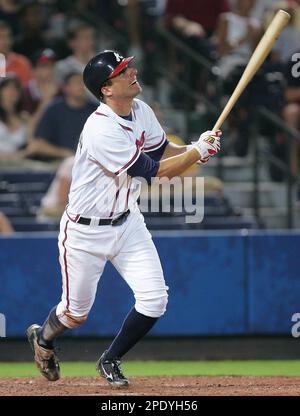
x=106, y=221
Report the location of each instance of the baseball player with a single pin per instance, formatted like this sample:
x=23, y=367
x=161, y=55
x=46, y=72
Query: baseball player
x=121, y=142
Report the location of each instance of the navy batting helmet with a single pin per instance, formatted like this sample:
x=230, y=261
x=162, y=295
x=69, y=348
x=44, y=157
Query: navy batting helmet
x=101, y=68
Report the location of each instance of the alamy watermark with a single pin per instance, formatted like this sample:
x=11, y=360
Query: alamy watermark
x=177, y=196
x=296, y=66
x=296, y=327
x=2, y=326
x=2, y=66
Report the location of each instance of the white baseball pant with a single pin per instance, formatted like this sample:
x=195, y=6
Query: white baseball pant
x=83, y=252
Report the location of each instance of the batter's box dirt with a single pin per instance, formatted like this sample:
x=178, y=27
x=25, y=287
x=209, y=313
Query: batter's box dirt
x=154, y=386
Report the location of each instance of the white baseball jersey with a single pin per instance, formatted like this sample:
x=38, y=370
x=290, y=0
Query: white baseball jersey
x=108, y=146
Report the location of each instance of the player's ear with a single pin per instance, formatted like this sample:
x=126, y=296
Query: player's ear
x=106, y=91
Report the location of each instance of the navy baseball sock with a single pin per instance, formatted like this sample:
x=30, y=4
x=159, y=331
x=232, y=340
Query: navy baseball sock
x=51, y=328
x=133, y=329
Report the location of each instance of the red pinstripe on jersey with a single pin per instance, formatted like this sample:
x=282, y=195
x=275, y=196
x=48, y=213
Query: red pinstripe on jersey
x=66, y=266
x=140, y=143
x=128, y=191
x=115, y=203
x=75, y=219
x=125, y=127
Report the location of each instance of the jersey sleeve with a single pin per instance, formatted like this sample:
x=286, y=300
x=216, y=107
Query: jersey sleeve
x=155, y=136
x=158, y=153
x=112, y=148
x=144, y=167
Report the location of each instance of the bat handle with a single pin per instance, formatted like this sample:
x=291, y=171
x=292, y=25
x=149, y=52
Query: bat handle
x=217, y=126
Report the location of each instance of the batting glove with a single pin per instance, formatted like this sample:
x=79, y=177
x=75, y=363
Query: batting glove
x=207, y=145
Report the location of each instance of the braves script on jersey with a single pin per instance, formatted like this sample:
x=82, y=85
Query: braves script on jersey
x=108, y=146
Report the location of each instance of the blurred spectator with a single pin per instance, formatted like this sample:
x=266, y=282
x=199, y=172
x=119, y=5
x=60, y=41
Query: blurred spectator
x=81, y=42
x=135, y=31
x=15, y=62
x=289, y=40
x=297, y=15
x=54, y=202
x=10, y=12
x=13, y=123
x=264, y=10
x=260, y=9
x=92, y=6
x=237, y=34
x=291, y=113
x=143, y=17
x=5, y=226
x=193, y=22
x=43, y=87
x=33, y=24
x=58, y=130
x=191, y=18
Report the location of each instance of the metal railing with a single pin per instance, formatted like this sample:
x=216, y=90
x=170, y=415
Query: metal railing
x=100, y=24
x=263, y=155
x=189, y=57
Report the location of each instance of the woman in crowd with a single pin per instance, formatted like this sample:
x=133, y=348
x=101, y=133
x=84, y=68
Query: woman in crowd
x=13, y=121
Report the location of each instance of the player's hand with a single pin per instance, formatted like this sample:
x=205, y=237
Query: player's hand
x=208, y=144
x=203, y=161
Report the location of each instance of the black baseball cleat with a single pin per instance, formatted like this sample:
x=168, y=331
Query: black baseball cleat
x=111, y=371
x=45, y=358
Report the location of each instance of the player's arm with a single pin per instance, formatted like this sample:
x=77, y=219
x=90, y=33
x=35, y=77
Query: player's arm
x=146, y=167
x=207, y=145
x=176, y=165
x=167, y=150
x=173, y=149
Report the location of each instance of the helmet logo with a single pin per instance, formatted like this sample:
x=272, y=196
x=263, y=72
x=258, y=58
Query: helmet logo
x=118, y=57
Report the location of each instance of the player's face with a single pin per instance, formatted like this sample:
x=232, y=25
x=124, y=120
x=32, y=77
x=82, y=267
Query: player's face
x=125, y=84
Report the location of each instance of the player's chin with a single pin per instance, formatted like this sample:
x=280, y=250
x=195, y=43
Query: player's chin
x=136, y=88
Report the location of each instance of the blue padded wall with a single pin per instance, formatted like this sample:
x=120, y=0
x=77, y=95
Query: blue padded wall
x=274, y=282
x=205, y=276
x=219, y=284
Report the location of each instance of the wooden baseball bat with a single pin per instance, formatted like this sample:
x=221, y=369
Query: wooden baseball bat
x=258, y=57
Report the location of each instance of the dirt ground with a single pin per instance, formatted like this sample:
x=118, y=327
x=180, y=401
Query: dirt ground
x=154, y=386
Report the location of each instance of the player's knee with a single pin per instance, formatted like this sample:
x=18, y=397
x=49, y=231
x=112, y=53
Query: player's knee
x=162, y=304
x=153, y=307
x=71, y=321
